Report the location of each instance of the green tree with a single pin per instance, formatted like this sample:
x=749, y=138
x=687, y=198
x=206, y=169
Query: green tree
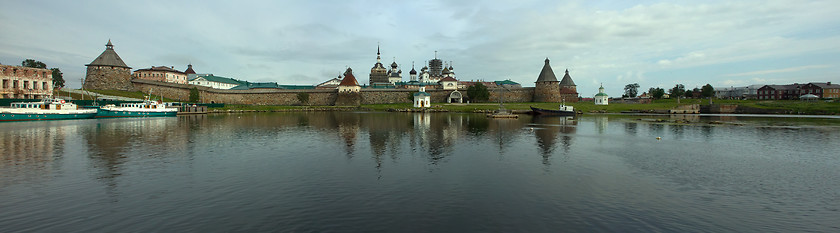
x=478, y=92
x=689, y=94
x=194, y=95
x=677, y=92
x=303, y=97
x=33, y=63
x=631, y=90
x=656, y=93
x=707, y=91
x=58, y=77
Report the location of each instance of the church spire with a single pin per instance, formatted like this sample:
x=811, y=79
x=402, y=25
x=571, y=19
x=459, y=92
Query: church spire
x=378, y=58
x=109, y=45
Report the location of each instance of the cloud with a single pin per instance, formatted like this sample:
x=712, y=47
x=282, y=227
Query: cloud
x=785, y=70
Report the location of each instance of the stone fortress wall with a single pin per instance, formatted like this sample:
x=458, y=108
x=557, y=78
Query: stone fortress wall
x=316, y=96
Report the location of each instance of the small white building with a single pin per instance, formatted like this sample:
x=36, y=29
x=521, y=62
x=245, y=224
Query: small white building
x=422, y=99
x=602, y=98
x=449, y=83
x=215, y=82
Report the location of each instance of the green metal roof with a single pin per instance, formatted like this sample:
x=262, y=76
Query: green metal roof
x=422, y=94
x=220, y=79
x=506, y=82
x=601, y=94
x=297, y=87
x=250, y=85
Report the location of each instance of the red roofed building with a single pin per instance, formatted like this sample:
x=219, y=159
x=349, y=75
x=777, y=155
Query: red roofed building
x=349, y=83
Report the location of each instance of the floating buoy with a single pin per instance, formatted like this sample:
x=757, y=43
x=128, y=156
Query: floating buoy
x=658, y=138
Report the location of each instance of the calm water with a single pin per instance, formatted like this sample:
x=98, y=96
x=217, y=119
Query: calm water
x=386, y=172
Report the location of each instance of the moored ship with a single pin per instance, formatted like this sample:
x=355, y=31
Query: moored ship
x=47, y=109
x=147, y=108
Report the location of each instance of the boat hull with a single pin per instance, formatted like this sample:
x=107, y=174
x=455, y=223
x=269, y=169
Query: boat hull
x=133, y=113
x=44, y=116
x=540, y=111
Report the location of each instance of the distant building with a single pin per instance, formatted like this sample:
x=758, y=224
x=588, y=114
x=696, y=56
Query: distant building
x=378, y=73
x=548, y=89
x=746, y=92
x=449, y=83
x=25, y=83
x=349, y=83
x=779, y=92
x=395, y=74
x=215, y=82
x=190, y=72
x=422, y=99
x=108, y=72
x=822, y=90
x=602, y=98
x=162, y=74
x=329, y=84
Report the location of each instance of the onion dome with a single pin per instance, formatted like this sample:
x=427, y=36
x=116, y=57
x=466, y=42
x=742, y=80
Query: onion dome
x=394, y=65
x=412, y=71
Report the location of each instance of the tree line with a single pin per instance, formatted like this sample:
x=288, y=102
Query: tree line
x=678, y=91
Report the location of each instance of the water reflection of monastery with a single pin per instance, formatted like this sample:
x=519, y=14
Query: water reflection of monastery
x=549, y=130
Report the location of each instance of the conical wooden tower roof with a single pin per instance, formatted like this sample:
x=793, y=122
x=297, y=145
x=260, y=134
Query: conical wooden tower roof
x=108, y=58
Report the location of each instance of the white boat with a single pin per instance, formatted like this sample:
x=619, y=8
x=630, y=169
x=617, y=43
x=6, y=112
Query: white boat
x=46, y=109
x=147, y=108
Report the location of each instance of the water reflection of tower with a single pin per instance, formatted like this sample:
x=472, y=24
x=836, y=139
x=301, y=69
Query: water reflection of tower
x=601, y=123
x=547, y=135
x=348, y=128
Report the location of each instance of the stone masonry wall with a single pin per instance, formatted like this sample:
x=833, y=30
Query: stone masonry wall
x=547, y=92
x=108, y=78
x=513, y=95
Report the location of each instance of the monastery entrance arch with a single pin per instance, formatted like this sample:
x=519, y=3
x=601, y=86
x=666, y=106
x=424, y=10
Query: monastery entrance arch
x=455, y=97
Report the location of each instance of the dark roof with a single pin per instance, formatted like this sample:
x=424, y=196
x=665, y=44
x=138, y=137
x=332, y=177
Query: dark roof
x=448, y=79
x=547, y=75
x=394, y=64
x=220, y=79
x=189, y=70
x=349, y=79
x=108, y=58
x=412, y=71
x=506, y=82
x=783, y=87
x=161, y=68
x=567, y=80
x=825, y=85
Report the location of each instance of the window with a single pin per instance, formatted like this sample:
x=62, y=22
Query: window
x=5, y=83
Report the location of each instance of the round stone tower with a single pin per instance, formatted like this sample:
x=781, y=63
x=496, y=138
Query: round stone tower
x=108, y=72
x=547, y=87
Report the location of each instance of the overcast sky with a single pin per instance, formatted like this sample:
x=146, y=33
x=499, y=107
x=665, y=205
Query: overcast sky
x=653, y=43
